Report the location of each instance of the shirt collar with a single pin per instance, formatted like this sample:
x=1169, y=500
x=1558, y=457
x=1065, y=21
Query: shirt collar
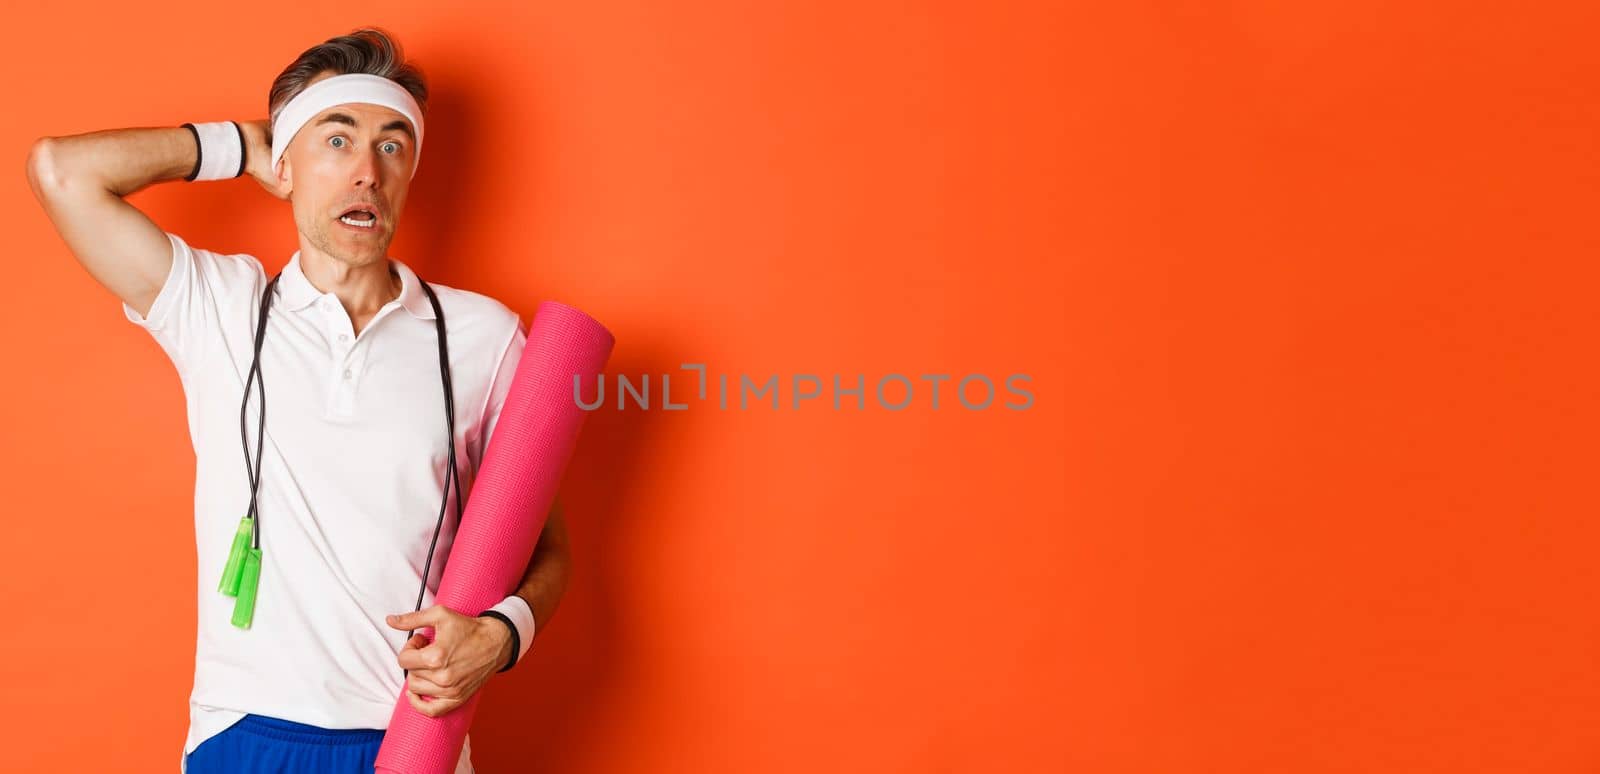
x=297, y=292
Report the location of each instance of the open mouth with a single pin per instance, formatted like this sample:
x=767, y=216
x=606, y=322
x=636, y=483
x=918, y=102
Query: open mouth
x=360, y=217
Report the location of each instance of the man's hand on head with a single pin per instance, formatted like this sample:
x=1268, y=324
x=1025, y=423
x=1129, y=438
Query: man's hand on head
x=258, y=155
x=466, y=651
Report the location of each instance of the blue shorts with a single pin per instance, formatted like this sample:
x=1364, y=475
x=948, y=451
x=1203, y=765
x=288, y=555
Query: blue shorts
x=257, y=743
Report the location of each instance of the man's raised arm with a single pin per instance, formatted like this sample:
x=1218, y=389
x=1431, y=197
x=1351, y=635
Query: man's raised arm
x=81, y=181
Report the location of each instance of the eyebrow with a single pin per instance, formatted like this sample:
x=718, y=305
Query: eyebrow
x=341, y=118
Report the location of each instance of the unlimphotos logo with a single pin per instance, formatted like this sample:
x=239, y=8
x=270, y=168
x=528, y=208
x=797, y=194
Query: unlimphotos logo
x=894, y=392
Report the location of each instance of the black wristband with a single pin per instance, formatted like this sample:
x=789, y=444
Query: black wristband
x=516, y=642
x=197, y=152
x=244, y=148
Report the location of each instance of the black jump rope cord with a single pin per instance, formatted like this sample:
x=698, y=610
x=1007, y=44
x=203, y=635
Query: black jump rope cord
x=254, y=474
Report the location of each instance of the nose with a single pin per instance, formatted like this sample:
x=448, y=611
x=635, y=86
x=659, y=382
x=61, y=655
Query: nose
x=366, y=169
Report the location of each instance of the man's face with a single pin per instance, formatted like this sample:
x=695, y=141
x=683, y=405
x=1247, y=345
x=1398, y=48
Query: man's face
x=347, y=171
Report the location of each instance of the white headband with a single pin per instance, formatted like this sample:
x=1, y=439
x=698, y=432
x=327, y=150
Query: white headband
x=340, y=90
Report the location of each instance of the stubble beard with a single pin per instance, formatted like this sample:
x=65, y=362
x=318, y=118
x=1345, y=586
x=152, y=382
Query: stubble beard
x=321, y=235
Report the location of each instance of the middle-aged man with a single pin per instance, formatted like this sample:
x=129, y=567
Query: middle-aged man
x=346, y=490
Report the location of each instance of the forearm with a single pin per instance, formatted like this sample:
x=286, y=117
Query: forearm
x=120, y=161
x=541, y=587
x=545, y=580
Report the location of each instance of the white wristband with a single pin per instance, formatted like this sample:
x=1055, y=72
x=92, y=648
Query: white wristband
x=221, y=151
x=516, y=608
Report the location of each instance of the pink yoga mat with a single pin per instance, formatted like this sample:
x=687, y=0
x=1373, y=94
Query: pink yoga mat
x=506, y=509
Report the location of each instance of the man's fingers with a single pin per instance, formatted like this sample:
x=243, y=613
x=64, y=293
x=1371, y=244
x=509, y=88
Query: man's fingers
x=432, y=616
x=417, y=682
x=424, y=659
x=418, y=653
x=432, y=708
x=418, y=704
x=258, y=154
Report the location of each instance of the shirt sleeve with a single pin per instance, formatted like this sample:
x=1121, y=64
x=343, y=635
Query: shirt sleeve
x=498, y=389
x=184, y=315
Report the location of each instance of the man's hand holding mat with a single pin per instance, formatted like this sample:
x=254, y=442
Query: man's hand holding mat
x=466, y=652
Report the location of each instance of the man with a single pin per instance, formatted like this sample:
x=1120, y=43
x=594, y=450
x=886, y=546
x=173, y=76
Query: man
x=354, y=459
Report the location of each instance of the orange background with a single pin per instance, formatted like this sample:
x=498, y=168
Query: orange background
x=801, y=189
x=1306, y=292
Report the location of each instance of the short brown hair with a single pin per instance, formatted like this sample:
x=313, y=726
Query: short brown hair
x=368, y=50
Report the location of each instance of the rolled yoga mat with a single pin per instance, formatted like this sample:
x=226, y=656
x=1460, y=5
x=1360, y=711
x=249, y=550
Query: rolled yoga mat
x=506, y=509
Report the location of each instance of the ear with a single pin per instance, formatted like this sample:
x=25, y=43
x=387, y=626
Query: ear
x=285, y=175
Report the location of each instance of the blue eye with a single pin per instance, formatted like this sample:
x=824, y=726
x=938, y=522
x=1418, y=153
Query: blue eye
x=394, y=145
x=339, y=141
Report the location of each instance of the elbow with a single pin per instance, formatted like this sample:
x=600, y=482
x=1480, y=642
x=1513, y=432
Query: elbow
x=46, y=173
x=52, y=173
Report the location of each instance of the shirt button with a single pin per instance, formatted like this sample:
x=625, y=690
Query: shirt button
x=347, y=373
x=342, y=337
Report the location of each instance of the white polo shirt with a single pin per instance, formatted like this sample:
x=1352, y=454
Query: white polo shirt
x=352, y=474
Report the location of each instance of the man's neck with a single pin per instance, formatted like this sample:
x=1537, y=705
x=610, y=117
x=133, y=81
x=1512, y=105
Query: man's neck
x=362, y=290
